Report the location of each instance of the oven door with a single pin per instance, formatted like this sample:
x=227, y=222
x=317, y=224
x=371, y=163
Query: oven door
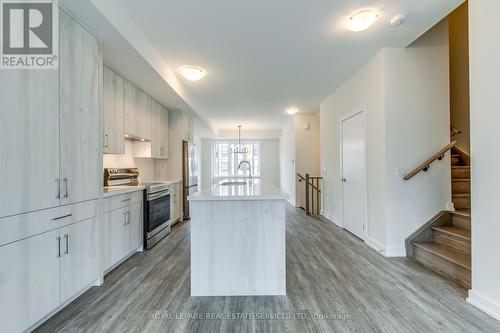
x=157, y=212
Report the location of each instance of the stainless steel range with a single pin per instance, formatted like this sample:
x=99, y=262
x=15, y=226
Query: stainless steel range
x=156, y=211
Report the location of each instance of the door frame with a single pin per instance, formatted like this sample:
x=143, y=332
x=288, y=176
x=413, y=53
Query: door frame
x=348, y=116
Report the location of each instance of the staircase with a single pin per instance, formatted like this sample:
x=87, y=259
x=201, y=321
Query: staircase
x=444, y=243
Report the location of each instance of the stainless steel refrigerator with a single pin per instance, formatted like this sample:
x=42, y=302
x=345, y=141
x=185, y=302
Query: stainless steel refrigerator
x=190, y=160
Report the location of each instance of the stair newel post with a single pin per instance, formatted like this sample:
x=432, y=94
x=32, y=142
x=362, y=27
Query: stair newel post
x=307, y=194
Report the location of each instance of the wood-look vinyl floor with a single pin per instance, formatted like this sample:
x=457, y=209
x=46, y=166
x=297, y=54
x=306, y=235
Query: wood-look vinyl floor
x=329, y=273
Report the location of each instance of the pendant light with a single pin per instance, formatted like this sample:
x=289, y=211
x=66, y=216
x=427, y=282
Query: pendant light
x=240, y=149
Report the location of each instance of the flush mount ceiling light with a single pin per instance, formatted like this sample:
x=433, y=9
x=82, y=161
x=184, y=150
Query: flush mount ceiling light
x=292, y=111
x=361, y=20
x=192, y=73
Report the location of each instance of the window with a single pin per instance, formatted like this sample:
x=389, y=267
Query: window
x=226, y=163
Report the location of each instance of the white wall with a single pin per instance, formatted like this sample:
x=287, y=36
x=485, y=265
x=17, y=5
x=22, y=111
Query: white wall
x=270, y=165
x=287, y=161
x=363, y=92
x=484, y=29
x=417, y=126
x=307, y=151
x=405, y=94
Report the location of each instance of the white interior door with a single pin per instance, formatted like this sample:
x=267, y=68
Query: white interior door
x=354, y=174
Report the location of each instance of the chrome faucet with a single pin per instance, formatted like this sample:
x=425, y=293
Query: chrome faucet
x=249, y=167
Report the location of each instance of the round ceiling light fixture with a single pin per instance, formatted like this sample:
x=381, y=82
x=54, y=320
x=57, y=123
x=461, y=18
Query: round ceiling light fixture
x=361, y=20
x=398, y=20
x=192, y=73
x=292, y=110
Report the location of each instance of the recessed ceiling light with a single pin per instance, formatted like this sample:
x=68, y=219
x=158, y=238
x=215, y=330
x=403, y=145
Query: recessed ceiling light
x=192, y=73
x=361, y=20
x=292, y=111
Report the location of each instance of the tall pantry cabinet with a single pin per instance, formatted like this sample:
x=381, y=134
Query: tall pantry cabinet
x=50, y=180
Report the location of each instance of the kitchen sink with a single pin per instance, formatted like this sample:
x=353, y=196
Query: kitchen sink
x=235, y=183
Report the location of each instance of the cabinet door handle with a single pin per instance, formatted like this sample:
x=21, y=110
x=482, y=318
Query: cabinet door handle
x=125, y=200
x=65, y=181
x=61, y=217
x=58, y=181
x=124, y=218
x=128, y=217
x=106, y=141
x=66, y=238
x=58, y=247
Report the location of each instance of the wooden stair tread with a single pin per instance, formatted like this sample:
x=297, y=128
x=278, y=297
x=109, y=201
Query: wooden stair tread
x=460, y=166
x=462, y=213
x=461, y=195
x=454, y=231
x=458, y=258
x=465, y=180
x=455, y=155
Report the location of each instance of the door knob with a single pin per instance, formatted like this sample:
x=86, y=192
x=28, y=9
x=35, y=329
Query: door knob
x=344, y=180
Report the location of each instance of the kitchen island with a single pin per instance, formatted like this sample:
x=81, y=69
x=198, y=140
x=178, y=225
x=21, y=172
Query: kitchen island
x=238, y=239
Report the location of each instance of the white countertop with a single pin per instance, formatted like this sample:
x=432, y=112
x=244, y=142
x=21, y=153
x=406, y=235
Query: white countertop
x=109, y=191
x=253, y=189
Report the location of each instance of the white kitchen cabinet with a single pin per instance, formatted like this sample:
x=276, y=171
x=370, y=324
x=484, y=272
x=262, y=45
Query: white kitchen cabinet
x=116, y=237
x=159, y=132
x=123, y=233
x=29, y=140
x=49, y=128
x=38, y=272
x=79, y=113
x=135, y=226
x=137, y=107
x=79, y=257
x=30, y=281
x=144, y=115
x=114, y=131
x=129, y=108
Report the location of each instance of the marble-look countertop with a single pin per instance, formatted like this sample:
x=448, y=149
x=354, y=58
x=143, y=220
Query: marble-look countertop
x=252, y=189
x=109, y=191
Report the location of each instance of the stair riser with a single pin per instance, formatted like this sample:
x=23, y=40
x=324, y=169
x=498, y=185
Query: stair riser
x=455, y=160
x=448, y=269
x=460, y=187
x=461, y=202
x=457, y=243
x=460, y=173
x=461, y=222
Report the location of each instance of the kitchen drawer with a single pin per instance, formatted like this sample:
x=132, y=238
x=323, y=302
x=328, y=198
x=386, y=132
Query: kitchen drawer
x=14, y=228
x=122, y=200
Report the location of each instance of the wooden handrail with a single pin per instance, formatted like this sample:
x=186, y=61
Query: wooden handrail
x=426, y=165
x=312, y=193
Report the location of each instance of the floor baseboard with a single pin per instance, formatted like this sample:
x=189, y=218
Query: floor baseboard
x=484, y=304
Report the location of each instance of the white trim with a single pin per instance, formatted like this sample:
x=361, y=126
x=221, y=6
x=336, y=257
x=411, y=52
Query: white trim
x=291, y=202
x=484, y=304
x=365, y=125
x=332, y=219
x=395, y=252
x=380, y=248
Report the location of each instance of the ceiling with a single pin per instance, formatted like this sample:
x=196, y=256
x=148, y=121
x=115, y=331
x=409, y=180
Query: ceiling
x=263, y=56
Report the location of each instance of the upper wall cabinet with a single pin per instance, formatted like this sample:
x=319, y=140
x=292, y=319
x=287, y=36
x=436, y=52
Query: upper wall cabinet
x=49, y=128
x=137, y=108
x=113, y=113
x=159, y=139
x=79, y=109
